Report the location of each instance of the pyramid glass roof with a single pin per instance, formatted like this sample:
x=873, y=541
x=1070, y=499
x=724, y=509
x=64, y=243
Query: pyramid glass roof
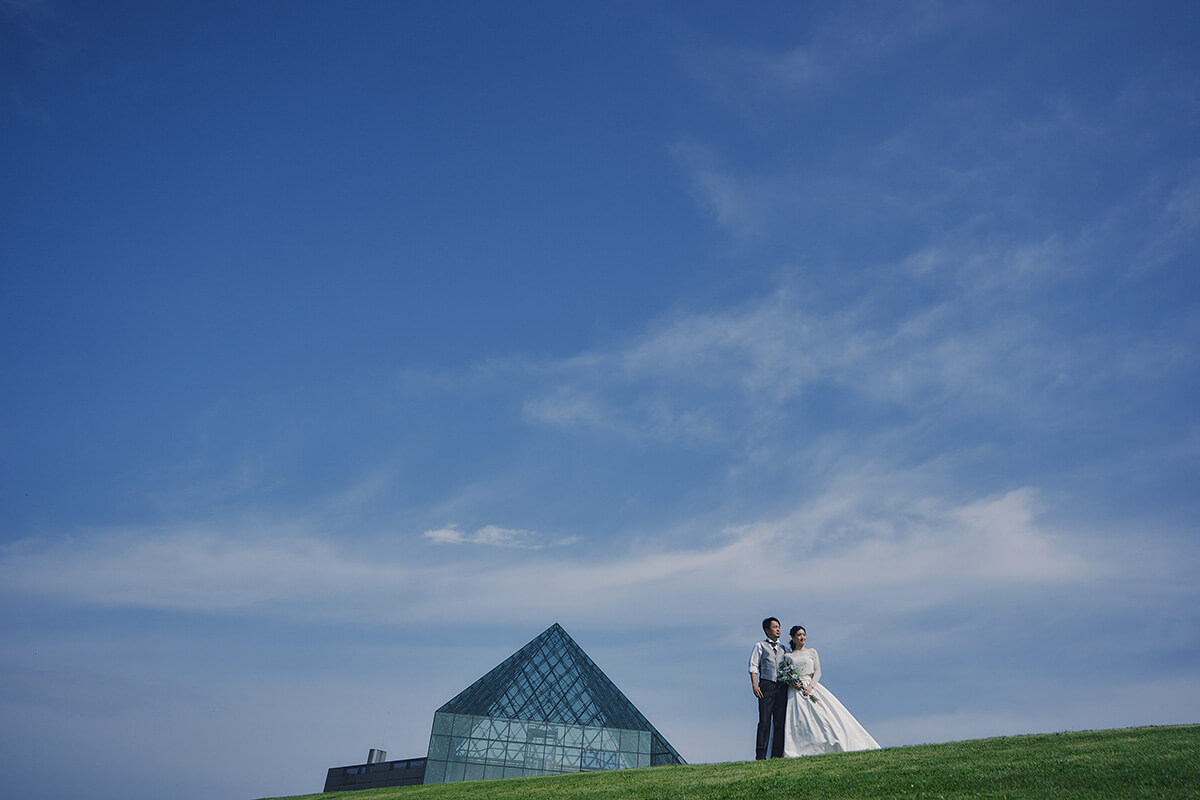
x=552, y=680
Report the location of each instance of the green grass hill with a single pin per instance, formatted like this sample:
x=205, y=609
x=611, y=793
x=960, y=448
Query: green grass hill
x=1156, y=762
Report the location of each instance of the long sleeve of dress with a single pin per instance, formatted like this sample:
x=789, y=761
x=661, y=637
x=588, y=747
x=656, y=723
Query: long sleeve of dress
x=816, y=678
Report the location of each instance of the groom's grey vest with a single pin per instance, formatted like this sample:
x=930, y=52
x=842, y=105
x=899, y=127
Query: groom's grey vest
x=769, y=661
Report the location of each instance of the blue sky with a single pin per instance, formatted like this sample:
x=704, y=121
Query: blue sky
x=347, y=346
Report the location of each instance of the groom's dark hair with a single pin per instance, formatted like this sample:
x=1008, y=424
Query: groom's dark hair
x=767, y=622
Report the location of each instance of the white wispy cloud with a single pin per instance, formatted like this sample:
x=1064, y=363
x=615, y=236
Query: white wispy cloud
x=839, y=48
x=201, y=567
x=918, y=551
x=717, y=376
x=495, y=536
x=739, y=204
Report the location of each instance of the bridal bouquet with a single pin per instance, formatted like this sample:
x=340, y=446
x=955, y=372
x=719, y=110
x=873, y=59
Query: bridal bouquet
x=788, y=673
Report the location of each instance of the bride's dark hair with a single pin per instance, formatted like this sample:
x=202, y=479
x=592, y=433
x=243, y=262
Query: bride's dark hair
x=792, y=632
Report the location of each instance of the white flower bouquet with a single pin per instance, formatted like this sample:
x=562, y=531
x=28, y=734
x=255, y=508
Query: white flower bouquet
x=788, y=673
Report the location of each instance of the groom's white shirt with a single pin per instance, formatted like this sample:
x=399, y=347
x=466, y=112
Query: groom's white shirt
x=765, y=659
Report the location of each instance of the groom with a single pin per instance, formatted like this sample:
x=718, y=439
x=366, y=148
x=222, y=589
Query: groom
x=765, y=660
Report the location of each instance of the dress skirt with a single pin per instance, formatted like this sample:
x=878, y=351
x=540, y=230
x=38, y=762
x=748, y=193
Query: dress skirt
x=822, y=727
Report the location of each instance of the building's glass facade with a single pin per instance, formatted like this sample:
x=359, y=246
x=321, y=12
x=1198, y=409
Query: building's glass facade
x=464, y=747
x=547, y=709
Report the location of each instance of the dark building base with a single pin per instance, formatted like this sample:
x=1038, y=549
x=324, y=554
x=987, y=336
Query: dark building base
x=405, y=772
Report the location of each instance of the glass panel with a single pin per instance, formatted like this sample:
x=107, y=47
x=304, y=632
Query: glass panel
x=629, y=741
x=514, y=772
x=591, y=737
x=454, y=771
x=462, y=725
x=442, y=723
x=493, y=771
x=495, y=752
x=503, y=728
x=439, y=746
x=643, y=741
x=474, y=772
x=517, y=730
x=435, y=771
x=458, y=748
x=537, y=732
x=610, y=739
x=571, y=759
x=573, y=735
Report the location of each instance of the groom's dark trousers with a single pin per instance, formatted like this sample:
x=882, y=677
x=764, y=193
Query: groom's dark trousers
x=772, y=710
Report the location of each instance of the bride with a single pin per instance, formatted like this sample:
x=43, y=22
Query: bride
x=816, y=721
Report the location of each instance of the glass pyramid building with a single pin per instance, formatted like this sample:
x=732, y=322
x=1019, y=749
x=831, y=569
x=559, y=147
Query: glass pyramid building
x=546, y=709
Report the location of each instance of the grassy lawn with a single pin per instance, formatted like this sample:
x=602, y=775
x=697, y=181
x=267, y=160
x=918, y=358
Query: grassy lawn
x=1158, y=762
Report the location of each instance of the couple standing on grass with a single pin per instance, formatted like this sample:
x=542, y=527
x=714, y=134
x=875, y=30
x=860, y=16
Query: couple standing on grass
x=797, y=716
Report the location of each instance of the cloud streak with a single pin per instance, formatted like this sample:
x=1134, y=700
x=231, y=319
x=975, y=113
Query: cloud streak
x=495, y=536
x=916, y=552
x=726, y=375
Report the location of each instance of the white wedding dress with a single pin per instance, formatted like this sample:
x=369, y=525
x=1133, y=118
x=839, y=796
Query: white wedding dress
x=824, y=726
